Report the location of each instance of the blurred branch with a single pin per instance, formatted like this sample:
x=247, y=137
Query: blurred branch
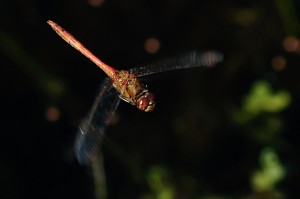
x=99, y=177
x=50, y=85
x=288, y=16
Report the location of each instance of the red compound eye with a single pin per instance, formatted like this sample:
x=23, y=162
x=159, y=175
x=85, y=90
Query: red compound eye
x=146, y=102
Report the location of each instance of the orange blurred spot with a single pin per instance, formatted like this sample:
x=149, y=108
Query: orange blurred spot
x=278, y=63
x=96, y=3
x=291, y=44
x=245, y=17
x=52, y=114
x=152, y=45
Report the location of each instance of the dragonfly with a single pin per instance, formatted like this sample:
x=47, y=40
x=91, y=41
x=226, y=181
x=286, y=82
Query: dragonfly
x=122, y=85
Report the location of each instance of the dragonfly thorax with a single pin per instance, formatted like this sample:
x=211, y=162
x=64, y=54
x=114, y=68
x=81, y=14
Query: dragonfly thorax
x=133, y=91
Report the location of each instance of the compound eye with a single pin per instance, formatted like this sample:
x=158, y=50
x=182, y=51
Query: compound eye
x=146, y=102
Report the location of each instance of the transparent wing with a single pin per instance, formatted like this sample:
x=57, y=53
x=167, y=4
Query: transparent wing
x=188, y=60
x=91, y=131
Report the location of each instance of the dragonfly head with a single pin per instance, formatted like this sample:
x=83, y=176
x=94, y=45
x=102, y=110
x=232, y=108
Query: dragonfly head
x=146, y=102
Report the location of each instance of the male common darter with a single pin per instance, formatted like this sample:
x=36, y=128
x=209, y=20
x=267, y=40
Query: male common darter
x=125, y=85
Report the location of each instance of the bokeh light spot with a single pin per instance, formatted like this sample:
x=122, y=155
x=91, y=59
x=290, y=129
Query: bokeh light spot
x=291, y=44
x=278, y=63
x=52, y=114
x=152, y=45
x=96, y=3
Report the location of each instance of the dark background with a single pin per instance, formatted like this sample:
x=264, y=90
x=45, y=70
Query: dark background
x=201, y=141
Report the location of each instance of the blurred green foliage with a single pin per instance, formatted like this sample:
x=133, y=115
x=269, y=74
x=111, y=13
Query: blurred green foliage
x=159, y=187
x=271, y=172
x=260, y=100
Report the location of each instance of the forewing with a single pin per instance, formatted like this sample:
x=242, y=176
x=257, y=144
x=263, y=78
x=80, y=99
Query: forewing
x=91, y=131
x=188, y=60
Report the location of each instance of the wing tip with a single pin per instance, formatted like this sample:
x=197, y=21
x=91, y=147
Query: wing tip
x=211, y=58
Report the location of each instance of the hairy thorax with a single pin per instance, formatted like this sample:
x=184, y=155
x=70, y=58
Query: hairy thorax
x=133, y=91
